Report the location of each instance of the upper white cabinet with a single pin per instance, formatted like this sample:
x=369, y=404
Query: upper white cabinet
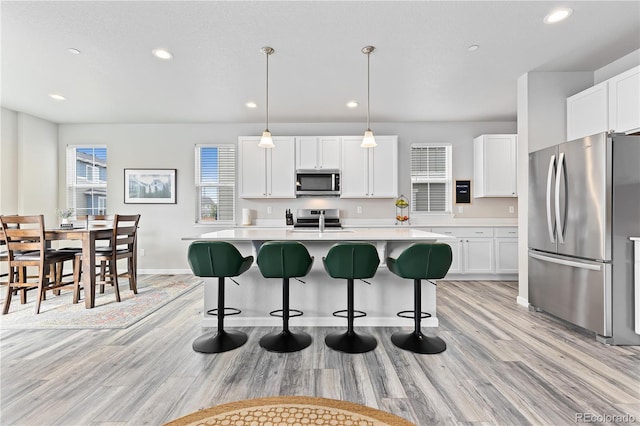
x=318, y=152
x=624, y=101
x=266, y=172
x=369, y=172
x=587, y=112
x=613, y=105
x=495, y=167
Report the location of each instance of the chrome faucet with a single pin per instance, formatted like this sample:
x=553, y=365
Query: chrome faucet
x=321, y=221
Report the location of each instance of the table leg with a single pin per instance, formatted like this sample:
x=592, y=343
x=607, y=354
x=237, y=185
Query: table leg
x=89, y=269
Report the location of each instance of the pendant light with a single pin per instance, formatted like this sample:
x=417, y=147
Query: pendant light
x=368, y=141
x=266, y=141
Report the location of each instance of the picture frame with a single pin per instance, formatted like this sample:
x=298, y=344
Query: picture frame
x=150, y=186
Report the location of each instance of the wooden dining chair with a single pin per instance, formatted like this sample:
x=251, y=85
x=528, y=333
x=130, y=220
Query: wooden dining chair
x=26, y=249
x=122, y=245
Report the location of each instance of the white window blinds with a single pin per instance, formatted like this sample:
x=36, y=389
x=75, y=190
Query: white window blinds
x=87, y=179
x=216, y=182
x=431, y=178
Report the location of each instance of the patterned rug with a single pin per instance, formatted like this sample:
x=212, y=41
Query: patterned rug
x=289, y=411
x=154, y=291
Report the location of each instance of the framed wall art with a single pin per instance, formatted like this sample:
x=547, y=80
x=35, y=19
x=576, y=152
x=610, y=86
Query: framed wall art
x=150, y=186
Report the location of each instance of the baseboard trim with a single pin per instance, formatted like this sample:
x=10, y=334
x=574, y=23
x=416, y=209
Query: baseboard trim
x=522, y=301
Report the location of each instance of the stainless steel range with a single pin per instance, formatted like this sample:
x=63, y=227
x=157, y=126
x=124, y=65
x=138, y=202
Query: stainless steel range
x=310, y=218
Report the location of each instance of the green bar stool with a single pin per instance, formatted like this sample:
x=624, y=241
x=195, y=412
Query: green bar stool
x=418, y=262
x=351, y=260
x=284, y=259
x=218, y=259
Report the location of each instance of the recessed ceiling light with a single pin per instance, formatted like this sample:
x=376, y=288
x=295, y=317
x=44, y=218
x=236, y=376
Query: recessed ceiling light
x=473, y=48
x=352, y=104
x=251, y=105
x=57, y=97
x=162, y=54
x=557, y=15
x=73, y=51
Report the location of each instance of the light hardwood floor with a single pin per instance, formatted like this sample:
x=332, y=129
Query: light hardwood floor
x=504, y=365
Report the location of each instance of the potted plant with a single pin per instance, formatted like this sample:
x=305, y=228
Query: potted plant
x=64, y=215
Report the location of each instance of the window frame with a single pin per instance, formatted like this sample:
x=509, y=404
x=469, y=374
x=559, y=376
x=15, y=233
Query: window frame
x=448, y=180
x=199, y=185
x=71, y=180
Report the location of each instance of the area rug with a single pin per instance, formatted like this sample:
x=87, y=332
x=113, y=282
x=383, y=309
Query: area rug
x=289, y=411
x=154, y=291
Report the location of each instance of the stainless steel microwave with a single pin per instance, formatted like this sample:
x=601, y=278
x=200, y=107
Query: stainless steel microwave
x=324, y=183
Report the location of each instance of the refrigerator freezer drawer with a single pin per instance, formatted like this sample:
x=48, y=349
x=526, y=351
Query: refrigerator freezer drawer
x=577, y=291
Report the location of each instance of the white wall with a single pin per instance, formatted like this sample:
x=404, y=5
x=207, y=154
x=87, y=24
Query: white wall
x=29, y=165
x=9, y=162
x=617, y=67
x=172, y=146
x=542, y=122
x=37, y=167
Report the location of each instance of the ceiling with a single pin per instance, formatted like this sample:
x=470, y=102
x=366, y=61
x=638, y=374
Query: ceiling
x=421, y=69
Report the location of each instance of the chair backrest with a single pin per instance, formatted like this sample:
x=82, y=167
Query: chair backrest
x=125, y=230
x=284, y=259
x=216, y=259
x=352, y=260
x=22, y=234
x=424, y=261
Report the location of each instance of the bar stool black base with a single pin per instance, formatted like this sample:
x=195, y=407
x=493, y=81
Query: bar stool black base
x=285, y=341
x=418, y=343
x=351, y=343
x=213, y=343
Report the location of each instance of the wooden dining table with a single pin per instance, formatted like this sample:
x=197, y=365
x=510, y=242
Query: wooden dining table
x=88, y=236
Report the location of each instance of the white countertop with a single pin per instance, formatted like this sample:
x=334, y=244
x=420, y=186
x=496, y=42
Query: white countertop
x=634, y=238
x=288, y=234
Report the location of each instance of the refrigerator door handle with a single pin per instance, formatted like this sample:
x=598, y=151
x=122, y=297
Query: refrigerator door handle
x=550, y=226
x=559, y=224
x=574, y=264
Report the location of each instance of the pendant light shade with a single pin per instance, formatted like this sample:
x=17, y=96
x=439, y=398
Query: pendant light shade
x=368, y=141
x=265, y=140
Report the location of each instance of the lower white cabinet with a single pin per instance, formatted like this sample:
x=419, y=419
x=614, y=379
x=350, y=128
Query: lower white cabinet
x=506, y=250
x=472, y=249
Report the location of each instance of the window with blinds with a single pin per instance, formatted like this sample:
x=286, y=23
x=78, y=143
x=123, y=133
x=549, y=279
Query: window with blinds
x=216, y=182
x=87, y=179
x=431, y=178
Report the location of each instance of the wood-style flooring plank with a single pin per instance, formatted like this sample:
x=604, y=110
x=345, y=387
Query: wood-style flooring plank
x=503, y=365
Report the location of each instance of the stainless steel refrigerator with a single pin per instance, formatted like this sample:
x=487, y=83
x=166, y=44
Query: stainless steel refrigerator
x=584, y=204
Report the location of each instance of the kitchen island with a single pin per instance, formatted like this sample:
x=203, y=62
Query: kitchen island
x=320, y=294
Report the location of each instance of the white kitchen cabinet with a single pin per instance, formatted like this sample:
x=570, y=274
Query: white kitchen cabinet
x=624, y=101
x=369, y=172
x=587, y=112
x=266, y=172
x=495, y=168
x=318, y=152
x=612, y=105
x=506, y=250
x=472, y=250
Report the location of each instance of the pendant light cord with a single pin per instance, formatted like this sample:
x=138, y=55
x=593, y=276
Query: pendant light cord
x=267, y=123
x=368, y=92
